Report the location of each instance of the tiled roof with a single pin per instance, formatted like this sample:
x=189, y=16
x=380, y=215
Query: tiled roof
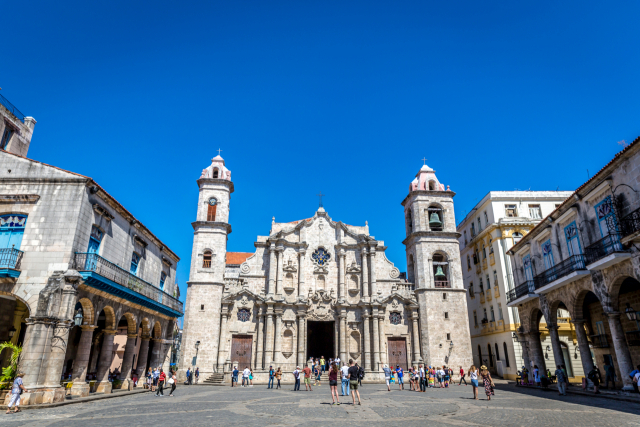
x=235, y=258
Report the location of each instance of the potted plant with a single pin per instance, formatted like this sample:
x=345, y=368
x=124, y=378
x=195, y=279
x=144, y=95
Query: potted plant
x=9, y=373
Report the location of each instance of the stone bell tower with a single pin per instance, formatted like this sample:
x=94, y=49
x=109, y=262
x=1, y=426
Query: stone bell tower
x=206, y=278
x=433, y=264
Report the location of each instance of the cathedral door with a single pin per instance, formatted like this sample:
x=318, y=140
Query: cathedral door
x=241, y=350
x=397, y=348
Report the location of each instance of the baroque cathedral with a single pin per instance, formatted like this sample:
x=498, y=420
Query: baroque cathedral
x=318, y=287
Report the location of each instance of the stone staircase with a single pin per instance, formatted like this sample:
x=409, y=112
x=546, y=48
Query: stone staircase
x=214, y=379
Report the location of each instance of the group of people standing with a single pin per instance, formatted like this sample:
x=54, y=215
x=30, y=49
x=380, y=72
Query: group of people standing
x=157, y=380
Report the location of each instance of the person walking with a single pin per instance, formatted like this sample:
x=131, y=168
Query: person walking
x=272, y=375
x=333, y=383
x=609, y=375
x=561, y=378
x=156, y=375
x=318, y=373
x=387, y=376
x=250, y=377
x=188, y=376
x=345, y=381
x=16, y=390
x=354, y=377
x=245, y=376
x=462, y=374
x=473, y=376
x=594, y=376
x=536, y=375
x=307, y=378
x=162, y=377
x=278, y=377
x=400, y=374
x=234, y=376
x=296, y=377
x=487, y=381
x=149, y=376
x=172, y=383
x=197, y=375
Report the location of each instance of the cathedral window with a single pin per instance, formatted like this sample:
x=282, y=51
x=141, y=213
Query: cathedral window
x=211, y=209
x=244, y=315
x=395, y=318
x=321, y=256
x=206, y=259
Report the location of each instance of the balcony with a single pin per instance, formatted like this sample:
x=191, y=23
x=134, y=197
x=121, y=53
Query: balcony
x=599, y=341
x=492, y=259
x=630, y=226
x=488, y=295
x=521, y=293
x=633, y=338
x=442, y=284
x=567, y=271
x=605, y=252
x=10, y=260
x=484, y=264
x=106, y=276
x=482, y=300
x=12, y=108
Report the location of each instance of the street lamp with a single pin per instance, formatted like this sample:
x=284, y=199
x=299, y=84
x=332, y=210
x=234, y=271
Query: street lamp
x=451, y=345
x=197, y=345
x=631, y=313
x=78, y=317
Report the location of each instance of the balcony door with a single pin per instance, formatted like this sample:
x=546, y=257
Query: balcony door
x=573, y=241
x=528, y=272
x=12, y=230
x=606, y=217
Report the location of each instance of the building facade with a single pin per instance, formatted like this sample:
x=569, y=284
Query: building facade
x=498, y=221
x=582, y=262
x=318, y=287
x=85, y=288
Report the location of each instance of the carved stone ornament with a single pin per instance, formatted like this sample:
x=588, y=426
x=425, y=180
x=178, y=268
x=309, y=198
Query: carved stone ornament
x=244, y=268
x=353, y=268
x=244, y=301
x=320, y=305
x=395, y=305
x=290, y=267
x=394, y=273
x=319, y=269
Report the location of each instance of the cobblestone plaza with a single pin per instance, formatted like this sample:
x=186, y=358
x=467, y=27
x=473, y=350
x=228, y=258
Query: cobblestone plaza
x=207, y=405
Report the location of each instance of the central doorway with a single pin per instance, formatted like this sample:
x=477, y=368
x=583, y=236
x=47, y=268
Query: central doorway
x=320, y=336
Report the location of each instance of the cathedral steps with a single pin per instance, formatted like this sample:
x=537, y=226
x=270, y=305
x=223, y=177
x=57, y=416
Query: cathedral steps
x=214, y=379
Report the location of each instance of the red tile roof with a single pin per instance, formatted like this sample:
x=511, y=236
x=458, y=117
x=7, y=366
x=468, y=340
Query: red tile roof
x=235, y=258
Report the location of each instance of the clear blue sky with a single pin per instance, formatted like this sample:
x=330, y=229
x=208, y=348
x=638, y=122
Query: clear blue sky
x=333, y=96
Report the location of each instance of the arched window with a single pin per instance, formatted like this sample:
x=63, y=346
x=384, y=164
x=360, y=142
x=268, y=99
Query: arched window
x=215, y=172
x=506, y=353
x=432, y=185
x=211, y=209
x=490, y=355
x=440, y=271
x=516, y=237
x=480, y=356
x=497, y=352
x=206, y=259
x=409, y=222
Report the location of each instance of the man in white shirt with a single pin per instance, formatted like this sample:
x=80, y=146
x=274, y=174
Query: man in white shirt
x=296, y=377
x=338, y=361
x=245, y=376
x=423, y=386
x=345, y=380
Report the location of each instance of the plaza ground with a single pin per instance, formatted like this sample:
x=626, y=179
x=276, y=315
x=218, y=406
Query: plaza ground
x=257, y=406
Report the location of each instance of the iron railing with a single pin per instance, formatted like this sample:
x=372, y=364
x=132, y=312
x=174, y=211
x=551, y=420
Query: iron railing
x=631, y=223
x=12, y=108
x=10, y=258
x=520, y=291
x=442, y=284
x=109, y=270
x=603, y=247
x=633, y=338
x=562, y=269
x=599, y=341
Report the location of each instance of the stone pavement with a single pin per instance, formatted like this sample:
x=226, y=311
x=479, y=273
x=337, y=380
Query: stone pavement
x=257, y=406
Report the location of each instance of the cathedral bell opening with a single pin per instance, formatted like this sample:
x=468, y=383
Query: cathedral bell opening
x=320, y=337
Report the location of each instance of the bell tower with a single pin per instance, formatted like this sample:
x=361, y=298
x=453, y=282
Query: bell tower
x=433, y=264
x=206, y=278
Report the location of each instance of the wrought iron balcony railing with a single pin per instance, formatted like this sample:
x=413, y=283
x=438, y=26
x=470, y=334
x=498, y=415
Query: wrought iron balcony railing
x=10, y=258
x=560, y=270
x=520, y=291
x=633, y=338
x=602, y=248
x=599, y=341
x=631, y=223
x=97, y=264
x=12, y=108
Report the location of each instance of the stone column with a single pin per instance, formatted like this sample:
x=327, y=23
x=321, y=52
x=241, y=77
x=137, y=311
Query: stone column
x=81, y=362
x=301, y=335
x=622, y=349
x=535, y=351
x=127, y=359
x=383, y=338
x=341, y=270
x=430, y=279
x=343, y=336
x=260, y=350
x=277, y=357
x=416, y=339
x=268, y=357
x=34, y=352
x=365, y=273
x=376, y=341
x=222, y=345
x=143, y=354
x=301, y=254
x=367, y=341
x=271, y=284
x=336, y=338
x=104, y=363
x=280, y=251
x=555, y=343
x=583, y=345
x=96, y=354
x=522, y=339
x=372, y=268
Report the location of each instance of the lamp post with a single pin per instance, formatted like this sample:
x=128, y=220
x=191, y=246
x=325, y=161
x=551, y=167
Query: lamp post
x=77, y=319
x=631, y=313
x=193, y=362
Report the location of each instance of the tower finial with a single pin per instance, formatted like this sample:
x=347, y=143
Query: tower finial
x=424, y=161
x=320, y=195
x=219, y=150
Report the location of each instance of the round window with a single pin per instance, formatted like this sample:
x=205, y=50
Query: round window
x=395, y=318
x=244, y=315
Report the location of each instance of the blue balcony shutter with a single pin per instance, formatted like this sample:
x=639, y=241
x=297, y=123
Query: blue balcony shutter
x=94, y=240
x=135, y=259
x=12, y=230
x=573, y=241
x=163, y=276
x=547, y=253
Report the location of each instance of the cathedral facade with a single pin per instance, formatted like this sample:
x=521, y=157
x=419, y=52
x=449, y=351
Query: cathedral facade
x=318, y=287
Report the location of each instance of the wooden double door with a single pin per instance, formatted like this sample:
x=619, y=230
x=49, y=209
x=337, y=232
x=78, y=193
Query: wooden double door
x=397, y=349
x=241, y=350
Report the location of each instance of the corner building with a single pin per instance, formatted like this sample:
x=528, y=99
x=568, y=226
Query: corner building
x=318, y=287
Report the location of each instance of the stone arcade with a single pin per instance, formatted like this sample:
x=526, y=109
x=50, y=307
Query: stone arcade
x=319, y=287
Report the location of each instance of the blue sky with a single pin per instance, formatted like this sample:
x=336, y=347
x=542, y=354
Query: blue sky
x=333, y=96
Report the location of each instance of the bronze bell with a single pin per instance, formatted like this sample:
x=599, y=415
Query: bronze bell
x=434, y=220
x=440, y=274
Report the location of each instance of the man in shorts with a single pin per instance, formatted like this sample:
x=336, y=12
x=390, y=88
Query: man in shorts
x=234, y=376
x=307, y=378
x=400, y=373
x=353, y=381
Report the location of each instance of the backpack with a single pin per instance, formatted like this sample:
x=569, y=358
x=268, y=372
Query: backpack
x=361, y=373
x=592, y=375
x=296, y=374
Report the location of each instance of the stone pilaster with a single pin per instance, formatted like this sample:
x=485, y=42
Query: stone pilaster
x=376, y=340
x=365, y=273
x=416, y=338
x=301, y=255
x=260, y=345
x=104, y=363
x=341, y=270
x=372, y=268
x=271, y=284
x=143, y=355
x=343, y=335
x=301, y=335
x=268, y=357
x=555, y=343
x=583, y=345
x=81, y=362
x=383, y=339
x=222, y=346
x=277, y=357
x=280, y=251
x=622, y=349
x=367, y=340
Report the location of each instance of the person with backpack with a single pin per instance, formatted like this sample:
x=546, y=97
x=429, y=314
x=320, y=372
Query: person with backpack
x=354, y=379
x=296, y=377
x=360, y=373
x=272, y=375
x=594, y=376
x=562, y=381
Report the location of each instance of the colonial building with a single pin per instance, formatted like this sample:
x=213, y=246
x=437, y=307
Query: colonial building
x=318, y=287
x=76, y=270
x=582, y=260
x=491, y=228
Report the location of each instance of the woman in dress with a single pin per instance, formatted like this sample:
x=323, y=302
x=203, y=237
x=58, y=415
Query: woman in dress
x=172, y=383
x=150, y=379
x=333, y=383
x=473, y=376
x=487, y=381
x=278, y=376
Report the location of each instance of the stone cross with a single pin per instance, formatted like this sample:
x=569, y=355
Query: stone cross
x=320, y=195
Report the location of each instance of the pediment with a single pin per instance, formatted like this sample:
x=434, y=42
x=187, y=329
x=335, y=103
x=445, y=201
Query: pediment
x=242, y=292
x=396, y=296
